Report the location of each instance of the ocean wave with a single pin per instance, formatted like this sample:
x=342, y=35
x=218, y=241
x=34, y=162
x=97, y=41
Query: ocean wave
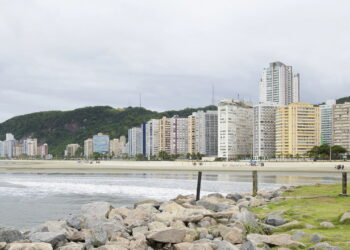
x=8, y=184
x=51, y=188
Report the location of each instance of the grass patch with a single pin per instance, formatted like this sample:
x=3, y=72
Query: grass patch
x=313, y=212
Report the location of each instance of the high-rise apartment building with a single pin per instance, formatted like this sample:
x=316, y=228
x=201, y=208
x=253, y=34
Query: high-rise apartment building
x=203, y=133
x=341, y=125
x=100, y=143
x=164, y=135
x=135, y=141
x=88, y=147
x=9, y=145
x=18, y=150
x=116, y=147
x=235, y=129
x=326, y=116
x=192, y=128
x=30, y=147
x=43, y=150
x=279, y=85
x=264, y=145
x=178, y=135
x=152, y=137
x=2, y=149
x=297, y=129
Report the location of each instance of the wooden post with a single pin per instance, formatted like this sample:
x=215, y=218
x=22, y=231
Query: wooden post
x=344, y=184
x=199, y=181
x=255, y=183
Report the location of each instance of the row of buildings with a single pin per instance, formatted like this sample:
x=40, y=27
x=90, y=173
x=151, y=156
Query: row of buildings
x=99, y=143
x=12, y=148
x=279, y=126
x=197, y=133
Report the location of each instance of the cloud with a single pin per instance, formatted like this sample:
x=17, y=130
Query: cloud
x=69, y=54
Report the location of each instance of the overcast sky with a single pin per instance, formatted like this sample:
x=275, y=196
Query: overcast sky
x=65, y=54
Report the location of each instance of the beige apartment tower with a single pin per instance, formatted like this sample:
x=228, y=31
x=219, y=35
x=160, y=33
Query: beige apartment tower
x=341, y=125
x=297, y=129
x=88, y=147
x=164, y=135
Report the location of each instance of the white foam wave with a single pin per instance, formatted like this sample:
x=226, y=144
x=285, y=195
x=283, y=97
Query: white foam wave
x=51, y=188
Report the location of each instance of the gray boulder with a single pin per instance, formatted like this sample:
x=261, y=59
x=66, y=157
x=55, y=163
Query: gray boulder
x=29, y=246
x=9, y=235
x=54, y=226
x=248, y=245
x=316, y=238
x=73, y=246
x=73, y=221
x=217, y=207
x=96, y=237
x=139, y=230
x=97, y=209
x=224, y=245
x=275, y=220
x=235, y=197
x=298, y=235
x=216, y=195
x=168, y=235
x=109, y=226
x=245, y=217
x=324, y=246
x=327, y=224
x=233, y=235
x=345, y=218
x=56, y=239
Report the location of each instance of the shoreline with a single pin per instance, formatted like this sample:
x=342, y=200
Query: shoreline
x=117, y=166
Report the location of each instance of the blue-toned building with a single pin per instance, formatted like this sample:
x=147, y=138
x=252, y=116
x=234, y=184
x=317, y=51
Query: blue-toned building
x=100, y=143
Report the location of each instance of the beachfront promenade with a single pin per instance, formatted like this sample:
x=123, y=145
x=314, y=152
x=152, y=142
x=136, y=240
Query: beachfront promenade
x=112, y=166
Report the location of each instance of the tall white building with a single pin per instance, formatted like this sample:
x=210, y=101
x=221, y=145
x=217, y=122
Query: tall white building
x=9, y=145
x=264, y=138
x=179, y=135
x=88, y=147
x=135, y=141
x=203, y=133
x=235, y=129
x=152, y=137
x=30, y=147
x=2, y=149
x=278, y=85
x=326, y=116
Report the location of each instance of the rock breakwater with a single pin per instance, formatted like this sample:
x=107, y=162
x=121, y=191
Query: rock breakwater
x=214, y=222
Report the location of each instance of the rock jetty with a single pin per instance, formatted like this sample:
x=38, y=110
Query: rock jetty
x=214, y=222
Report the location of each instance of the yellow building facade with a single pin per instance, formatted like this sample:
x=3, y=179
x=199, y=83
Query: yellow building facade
x=297, y=129
x=164, y=134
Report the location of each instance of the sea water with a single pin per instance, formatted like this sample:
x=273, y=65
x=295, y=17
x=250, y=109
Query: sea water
x=28, y=199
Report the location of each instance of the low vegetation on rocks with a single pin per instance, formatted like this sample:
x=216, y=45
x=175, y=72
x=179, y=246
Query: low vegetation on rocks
x=312, y=214
x=272, y=220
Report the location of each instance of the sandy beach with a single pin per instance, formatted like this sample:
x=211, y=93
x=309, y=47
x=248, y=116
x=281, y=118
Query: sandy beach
x=114, y=166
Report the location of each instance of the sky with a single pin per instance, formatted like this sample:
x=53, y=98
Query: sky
x=66, y=54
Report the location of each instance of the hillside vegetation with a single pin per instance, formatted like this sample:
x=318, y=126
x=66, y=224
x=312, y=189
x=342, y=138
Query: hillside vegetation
x=59, y=128
x=343, y=100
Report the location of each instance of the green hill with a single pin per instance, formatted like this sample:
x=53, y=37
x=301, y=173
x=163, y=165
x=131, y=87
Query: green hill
x=343, y=100
x=59, y=128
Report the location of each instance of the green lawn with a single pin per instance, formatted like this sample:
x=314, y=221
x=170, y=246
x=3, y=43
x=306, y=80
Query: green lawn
x=313, y=212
